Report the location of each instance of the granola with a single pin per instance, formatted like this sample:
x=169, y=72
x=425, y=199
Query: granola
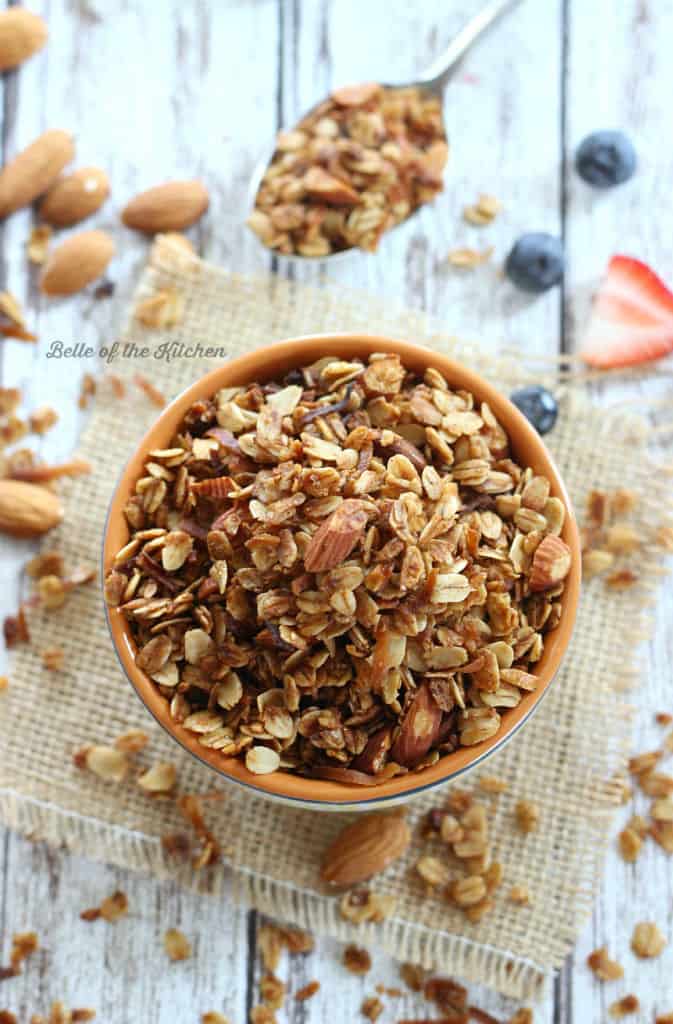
x=344, y=574
x=359, y=163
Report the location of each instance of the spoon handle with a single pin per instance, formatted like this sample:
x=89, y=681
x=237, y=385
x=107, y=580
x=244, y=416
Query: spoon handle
x=437, y=74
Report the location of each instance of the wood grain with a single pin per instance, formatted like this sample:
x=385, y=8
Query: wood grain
x=198, y=88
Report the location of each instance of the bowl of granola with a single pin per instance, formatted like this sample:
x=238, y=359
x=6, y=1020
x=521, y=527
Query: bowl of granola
x=341, y=569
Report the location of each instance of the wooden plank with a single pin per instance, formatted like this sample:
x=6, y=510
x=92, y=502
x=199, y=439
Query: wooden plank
x=619, y=57
x=170, y=113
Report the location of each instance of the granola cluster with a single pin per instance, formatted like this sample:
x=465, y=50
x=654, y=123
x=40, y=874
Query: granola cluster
x=344, y=574
x=358, y=164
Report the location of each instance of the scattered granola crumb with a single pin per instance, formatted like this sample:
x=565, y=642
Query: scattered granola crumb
x=163, y=309
x=663, y=718
x=522, y=1016
x=177, y=844
x=664, y=1018
x=270, y=945
x=356, y=960
x=4, y=683
x=132, y=741
x=449, y=996
x=37, y=245
x=7, y=1017
x=155, y=396
x=42, y=419
x=519, y=894
x=603, y=967
x=360, y=905
x=625, y=1005
x=469, y=258
x=213, y=1017
x=596, y=561
x=48, y=563
x=160, y=778
x=296, y=940
x=262, y=1015
x=644, y=762
x=664, y=537
x=177, y=945
x=307, y=992
x=622, y=579
x=372, y=1008
x=413, y=976
x=107, y=763
x=630, y=845
x=44, y=473
x=484, y=211
x=87, y=390
x=81, y=1014
x=24, y=944
x=10, y=307
x=527, y=815
x=492, y=784
x=386, y=990
x=192, y=809
x=115, y=906
x=53, y=658
x=647, y=941
x=117, y=384
x=15, y=629
x=272, y=990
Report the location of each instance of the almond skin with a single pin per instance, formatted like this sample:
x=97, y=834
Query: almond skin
x=336, y=537
x=419, y=729
x=76, y=262
x=22, y=34
x=169, y=207
x=551, y=563
x=75, y=196
x=365, y=848
x=27, y=510
x=31, y=173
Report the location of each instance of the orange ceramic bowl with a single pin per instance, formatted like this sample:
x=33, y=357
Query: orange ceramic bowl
x=274, y=361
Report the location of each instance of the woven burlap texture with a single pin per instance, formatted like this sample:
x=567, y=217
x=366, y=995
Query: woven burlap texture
x=562, y=759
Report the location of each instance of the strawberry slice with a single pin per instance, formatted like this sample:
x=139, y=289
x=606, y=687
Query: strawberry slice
x=631, y=319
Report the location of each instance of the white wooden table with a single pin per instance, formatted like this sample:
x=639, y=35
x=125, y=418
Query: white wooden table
x=178, y=88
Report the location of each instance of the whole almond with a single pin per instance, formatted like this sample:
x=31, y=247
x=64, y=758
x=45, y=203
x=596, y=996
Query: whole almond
x=76, y=262
x=27, y=510
x=22, y=34
x=365, y=848
x=75, y=196
x=31, y=173
x=419, y=728
x=169, y=207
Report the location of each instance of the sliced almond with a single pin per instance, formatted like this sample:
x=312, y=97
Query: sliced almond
x=321, y=185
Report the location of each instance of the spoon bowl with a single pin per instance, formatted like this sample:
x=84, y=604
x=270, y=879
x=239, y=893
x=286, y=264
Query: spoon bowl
x=433, y=80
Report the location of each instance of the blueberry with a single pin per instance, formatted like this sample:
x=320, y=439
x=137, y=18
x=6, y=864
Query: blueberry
x=605, y=159
x=538, y=406
x=536, y=262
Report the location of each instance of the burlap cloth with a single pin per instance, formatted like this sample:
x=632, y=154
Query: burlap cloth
x=563, y=759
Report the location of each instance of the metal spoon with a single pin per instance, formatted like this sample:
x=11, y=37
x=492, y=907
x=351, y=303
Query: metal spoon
x=433, y=79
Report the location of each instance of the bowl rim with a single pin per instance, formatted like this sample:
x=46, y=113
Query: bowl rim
x=267, y=362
